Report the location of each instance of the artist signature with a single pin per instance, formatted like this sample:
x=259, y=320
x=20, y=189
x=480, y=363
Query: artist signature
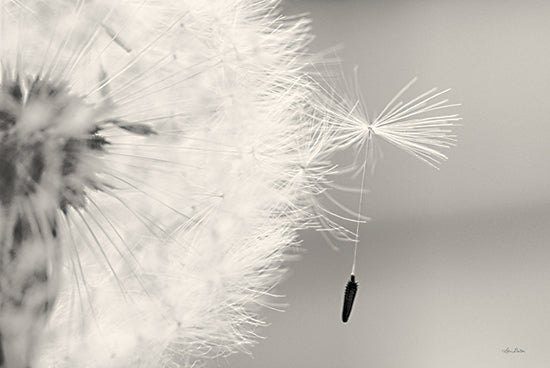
x=515, y=350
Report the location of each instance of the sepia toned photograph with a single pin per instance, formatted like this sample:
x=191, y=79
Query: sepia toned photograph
x=274, y=183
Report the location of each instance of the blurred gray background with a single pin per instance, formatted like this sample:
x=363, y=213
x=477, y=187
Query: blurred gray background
x=455, y=265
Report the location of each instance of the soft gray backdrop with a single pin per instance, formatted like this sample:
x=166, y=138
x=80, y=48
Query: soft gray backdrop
x=455, y=265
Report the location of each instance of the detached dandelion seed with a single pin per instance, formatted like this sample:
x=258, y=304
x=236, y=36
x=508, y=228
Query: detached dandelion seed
x=410, y=126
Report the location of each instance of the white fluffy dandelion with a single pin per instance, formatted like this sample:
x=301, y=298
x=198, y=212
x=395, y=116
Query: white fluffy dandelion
x=149, y=152
x=156, y=160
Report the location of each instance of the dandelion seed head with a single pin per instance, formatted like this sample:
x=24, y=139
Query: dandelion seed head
x=167, y=153
x=188, y=121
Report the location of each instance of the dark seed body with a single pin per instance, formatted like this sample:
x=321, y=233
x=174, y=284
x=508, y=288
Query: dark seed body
x=349, y=296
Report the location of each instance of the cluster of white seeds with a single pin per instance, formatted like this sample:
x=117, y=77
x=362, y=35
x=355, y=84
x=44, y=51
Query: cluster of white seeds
x=156, y=160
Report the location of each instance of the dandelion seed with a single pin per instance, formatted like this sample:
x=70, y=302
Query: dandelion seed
x=410, y=126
